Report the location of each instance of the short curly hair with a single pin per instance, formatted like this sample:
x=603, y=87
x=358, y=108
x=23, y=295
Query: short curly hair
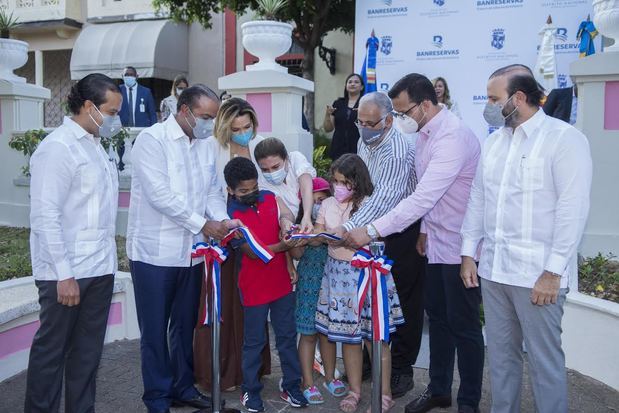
x=239, y=169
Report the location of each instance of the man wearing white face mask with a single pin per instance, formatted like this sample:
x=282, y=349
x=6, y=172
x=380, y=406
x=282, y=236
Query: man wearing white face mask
x=390, y=158
x=446, y=158
x=74, y=199
x=528, y=208
x=175, y=202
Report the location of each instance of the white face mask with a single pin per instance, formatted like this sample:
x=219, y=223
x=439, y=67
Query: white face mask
x=407, y=125
x=277, y=177
x=315, y=210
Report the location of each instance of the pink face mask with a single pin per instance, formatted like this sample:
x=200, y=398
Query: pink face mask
x=342, y=193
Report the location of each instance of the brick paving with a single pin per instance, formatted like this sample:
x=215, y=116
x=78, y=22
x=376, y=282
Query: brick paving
x=119, y=389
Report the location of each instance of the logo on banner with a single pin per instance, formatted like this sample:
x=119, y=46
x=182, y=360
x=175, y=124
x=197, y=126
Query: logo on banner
x=385, y=45
x=437, y=41
x=498, y=4
x=562, y=43
x=388, y=11
x=384, y=87
x=437, y=9
x=498, y=38
x=561, y=34
x=480, y=99
x=562, y=80
x=562, y=4
x=439, y=2
x=443, y=53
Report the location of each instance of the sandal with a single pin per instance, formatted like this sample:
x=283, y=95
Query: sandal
x=313, y=395
x=335, y=387
x=387, y=403
x=350, y=402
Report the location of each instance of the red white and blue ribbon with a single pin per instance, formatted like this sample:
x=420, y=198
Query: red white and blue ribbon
x=260, y=249
x=214, y=256
x=373, y=275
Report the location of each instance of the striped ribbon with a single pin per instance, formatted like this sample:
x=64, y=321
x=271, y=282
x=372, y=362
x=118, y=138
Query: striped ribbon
x=308, y=236
x=214, y=256
x=261, y=250
x=372, y=274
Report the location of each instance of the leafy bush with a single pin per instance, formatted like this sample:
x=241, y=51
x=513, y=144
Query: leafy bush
x=27, y=144
x=599, y=276
x=321, y=162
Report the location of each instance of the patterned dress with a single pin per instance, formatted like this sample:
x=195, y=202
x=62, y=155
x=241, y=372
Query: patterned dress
x=310, y=270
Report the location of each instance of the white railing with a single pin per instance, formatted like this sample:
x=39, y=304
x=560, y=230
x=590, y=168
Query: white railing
x=27, y=11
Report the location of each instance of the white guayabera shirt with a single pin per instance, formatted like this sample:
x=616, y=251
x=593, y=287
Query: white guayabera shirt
x=173, y=188
x=74, y=200
x=529, y=202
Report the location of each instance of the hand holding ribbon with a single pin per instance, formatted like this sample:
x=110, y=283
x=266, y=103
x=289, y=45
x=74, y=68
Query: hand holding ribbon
x=372, y=274
x=258, y=247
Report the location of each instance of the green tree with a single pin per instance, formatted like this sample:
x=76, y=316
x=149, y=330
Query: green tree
x=312, y=21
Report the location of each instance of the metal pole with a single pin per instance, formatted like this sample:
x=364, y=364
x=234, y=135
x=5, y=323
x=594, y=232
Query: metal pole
x=215, y=371
x=377, y=249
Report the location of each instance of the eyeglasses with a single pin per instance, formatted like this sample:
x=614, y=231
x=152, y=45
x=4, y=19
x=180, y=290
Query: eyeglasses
x=369, y=124
x=402, y=115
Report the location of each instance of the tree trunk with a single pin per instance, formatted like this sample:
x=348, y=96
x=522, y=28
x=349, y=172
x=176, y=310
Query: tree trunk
x=308, y=73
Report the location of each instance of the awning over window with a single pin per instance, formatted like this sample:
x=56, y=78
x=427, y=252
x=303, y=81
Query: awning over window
x=156, y=48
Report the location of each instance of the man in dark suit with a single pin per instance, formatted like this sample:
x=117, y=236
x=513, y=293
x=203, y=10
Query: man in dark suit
x=562, y=104
x=138, y=107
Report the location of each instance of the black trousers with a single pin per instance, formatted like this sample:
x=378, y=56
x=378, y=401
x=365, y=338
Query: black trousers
x=454, y=326
x=69, y=341
x=408, y=273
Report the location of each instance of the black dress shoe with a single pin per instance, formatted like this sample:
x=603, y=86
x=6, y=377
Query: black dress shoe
x=401, y=384
x=426, y=401
x=200, y=401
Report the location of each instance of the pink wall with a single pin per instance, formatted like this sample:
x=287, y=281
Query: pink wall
x=611, y=106
x=20, y=338
x=263, y=107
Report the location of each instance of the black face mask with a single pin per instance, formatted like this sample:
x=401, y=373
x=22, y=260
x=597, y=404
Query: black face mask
x=248, y=199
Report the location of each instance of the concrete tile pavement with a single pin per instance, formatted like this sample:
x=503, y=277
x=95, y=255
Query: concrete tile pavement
x=119, y=389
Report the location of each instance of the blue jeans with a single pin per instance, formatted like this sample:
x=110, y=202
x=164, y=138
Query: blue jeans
x=254, y=340
x=166, y=300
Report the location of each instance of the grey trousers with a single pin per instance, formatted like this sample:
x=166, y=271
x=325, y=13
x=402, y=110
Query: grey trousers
x=511, y=317
x=68, y=343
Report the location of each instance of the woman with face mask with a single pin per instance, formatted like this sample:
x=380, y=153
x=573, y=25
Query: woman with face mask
x=234, y=135
x=285, y=174
x=168, y=105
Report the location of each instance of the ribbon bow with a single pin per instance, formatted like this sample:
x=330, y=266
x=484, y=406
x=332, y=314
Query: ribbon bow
x=260, y=249
x=372, y=274
x=214, y=256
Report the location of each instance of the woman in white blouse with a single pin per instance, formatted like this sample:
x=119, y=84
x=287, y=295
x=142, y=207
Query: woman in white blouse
x=168, y=105
x=288, y=175
x=444, y=97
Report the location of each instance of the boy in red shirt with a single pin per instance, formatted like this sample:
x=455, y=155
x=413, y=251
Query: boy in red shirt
x=264, y=287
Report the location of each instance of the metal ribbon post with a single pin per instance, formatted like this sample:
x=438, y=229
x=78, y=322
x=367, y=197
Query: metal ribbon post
x=377, y=248
x=215, y=371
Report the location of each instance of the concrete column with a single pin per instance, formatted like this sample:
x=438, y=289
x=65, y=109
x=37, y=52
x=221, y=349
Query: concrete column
x=597, y=78
x=21, y=109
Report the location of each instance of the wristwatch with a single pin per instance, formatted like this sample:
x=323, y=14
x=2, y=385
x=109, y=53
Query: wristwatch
x=372, y=232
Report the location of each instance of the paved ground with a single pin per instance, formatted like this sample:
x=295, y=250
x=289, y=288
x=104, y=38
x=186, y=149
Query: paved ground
x=120, y=388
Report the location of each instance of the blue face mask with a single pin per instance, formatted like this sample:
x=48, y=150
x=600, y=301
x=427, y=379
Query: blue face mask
x=130, y=81
x=276, y=178
x=243, y=138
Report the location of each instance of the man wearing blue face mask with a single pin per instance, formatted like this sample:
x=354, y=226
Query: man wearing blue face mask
x=138, y=104
x=390, y=158
x=175, y=202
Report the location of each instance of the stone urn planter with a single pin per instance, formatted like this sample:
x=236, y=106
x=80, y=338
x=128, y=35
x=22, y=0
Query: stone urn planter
x=13, y=55
x=606, y=20
x=267, y=40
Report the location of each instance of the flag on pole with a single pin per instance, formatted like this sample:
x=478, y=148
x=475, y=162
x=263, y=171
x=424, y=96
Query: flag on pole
x=586, y=33
x=546, y=66
x=368, y=71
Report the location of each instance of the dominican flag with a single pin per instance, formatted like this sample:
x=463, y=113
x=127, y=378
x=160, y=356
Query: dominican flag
x=368, y=72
